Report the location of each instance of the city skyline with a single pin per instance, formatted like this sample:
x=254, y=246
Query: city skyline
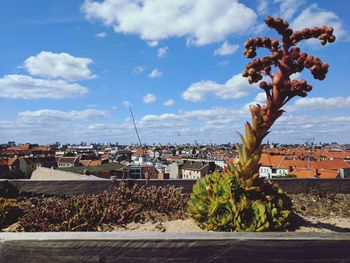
x=70, y=70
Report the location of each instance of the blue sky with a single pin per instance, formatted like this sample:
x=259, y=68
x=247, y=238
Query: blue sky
x=69, y=69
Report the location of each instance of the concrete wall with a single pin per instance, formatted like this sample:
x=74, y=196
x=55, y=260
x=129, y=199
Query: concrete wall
x=42, y=173
x=174, y=171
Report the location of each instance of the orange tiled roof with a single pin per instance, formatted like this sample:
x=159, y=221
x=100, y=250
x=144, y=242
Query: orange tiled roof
x=272, y=160
x=321, y=173
x=85, y=162
x=41, y=148
x=95, y=163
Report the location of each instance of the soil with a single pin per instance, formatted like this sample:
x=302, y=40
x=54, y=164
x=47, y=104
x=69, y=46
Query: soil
x=314, y=212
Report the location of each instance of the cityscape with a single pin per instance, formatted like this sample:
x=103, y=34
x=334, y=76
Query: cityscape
x=107, y=161
x=174, y=131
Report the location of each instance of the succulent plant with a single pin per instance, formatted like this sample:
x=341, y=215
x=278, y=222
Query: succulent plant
x=255, y=204
x=251, y=216
x=218, y=202
x=212, y=202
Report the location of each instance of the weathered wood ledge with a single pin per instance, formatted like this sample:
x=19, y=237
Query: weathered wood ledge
x=174, y=247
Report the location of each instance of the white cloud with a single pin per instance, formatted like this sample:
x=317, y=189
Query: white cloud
x=295, y=76
x=314, y=16
x=47, y=125
x=63, y=65
x=261, y=97
x=324, y=128
x=47, y=116
x=101, y=35
x=126, y=104
x=152, y=43
x=200, y=21
x=224, y=63
x=138, y=69
x=169, y=102
x=163, y=120
x=155, y=73
x=236, y=87
x=26, y=87
x=226, y=49
x=149, y=98
x=319, y=103
x=262, y=7
x=162, y=51
x=288, y=7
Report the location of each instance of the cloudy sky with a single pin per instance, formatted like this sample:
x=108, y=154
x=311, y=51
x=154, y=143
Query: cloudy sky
x=69, y=70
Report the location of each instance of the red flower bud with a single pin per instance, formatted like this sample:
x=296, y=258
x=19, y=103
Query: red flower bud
x=331, y=38
x=329, y=30
x=288, y=32
x=269, y=21
x=307, y=33
x=285, y=24
x=251, y=53
x=278, y=21
x=251, y=72
x=275, y=43
x=263, y=85
x=266, y=41
x=308, y=88
x=245, y=73
x=258, y=41
x=250, y=80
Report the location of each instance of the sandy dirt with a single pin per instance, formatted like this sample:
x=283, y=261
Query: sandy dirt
x=314, y=212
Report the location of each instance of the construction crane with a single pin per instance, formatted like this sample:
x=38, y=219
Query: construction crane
x=133, y=121
x=138, y=137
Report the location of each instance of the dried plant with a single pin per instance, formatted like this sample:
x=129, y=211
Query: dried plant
x=9, y=211
x=91, y=212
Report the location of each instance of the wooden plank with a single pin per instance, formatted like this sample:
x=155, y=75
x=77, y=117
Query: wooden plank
x=175, y=247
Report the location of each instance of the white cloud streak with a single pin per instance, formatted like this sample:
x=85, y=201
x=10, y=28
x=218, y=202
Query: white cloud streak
x=26, y=87
x=236, y=87
x=155, y=73
x=169, y=102
x=162, y=51
x=320, y=103
x=226, y=49
x=149, y=98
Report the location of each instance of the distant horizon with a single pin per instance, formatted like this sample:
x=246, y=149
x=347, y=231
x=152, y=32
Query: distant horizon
x=314, y=143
